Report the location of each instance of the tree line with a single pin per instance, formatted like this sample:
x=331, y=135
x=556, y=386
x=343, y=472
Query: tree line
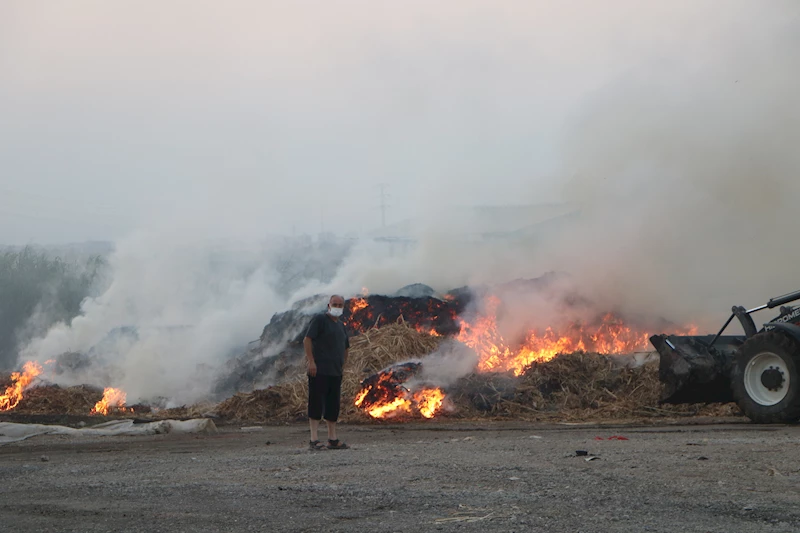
x=38, y=290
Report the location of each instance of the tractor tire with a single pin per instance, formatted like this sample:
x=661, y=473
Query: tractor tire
x=765, y=378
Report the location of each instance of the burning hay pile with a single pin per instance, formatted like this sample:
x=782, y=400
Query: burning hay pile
x=23, y=395
x=527, y=377
x=570, y=387
x=370, y=352
x=50, y=399
x=421, y=356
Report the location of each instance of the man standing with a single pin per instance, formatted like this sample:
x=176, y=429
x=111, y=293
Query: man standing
x=326, y=346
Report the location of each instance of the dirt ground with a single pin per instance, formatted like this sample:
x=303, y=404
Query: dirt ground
x=715, y=476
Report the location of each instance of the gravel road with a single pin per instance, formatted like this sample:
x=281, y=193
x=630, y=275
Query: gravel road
x=437, y=476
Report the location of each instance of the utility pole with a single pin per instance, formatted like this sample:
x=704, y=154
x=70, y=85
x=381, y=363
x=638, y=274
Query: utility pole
x=383, y=205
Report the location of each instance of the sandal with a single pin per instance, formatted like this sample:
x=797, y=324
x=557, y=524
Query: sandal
x=337, y=445
x=315, y=445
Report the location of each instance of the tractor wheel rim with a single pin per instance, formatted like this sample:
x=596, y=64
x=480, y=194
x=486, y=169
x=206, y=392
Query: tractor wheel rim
x=753, y=382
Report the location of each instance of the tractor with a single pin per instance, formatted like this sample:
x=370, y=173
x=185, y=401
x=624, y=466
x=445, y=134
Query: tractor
x=759, y=370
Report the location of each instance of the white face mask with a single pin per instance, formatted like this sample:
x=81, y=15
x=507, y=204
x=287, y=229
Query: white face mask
x=335, y=311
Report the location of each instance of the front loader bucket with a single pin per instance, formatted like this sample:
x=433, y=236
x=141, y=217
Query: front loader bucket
x=691, y=371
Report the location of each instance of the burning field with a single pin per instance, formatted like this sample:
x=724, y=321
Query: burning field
x=416, y=357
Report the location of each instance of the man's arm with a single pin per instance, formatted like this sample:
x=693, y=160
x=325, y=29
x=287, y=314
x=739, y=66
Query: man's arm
x=309, y=349
x=346, y=346
x=308, y=346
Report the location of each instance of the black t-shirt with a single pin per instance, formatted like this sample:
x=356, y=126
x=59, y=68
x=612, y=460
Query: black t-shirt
x=329, y=341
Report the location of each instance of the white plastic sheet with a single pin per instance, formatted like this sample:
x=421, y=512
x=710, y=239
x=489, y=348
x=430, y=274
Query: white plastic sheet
x=10, y=432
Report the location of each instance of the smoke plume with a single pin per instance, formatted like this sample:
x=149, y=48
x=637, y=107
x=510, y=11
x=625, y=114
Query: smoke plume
x=686, y=176
x=659, y=141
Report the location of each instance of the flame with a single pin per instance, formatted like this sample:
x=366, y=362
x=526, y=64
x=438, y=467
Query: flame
x=385, y=395
x=19, y=382
x=393, y=408
x=426, y=402
x=113, y=399
x=361, y=396
x=357, y=304
x=609, y=336
x=429, y=401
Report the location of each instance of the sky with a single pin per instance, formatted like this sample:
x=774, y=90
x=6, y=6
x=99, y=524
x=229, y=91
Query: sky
x=286, y=116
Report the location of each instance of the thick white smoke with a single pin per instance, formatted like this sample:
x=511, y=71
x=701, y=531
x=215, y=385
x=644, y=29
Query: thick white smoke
x=188, y=306
x=448, y=363
x=686, y=176
x=680, y=167
x=670, y=132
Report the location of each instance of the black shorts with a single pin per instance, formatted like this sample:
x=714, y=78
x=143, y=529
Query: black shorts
x=324, y=397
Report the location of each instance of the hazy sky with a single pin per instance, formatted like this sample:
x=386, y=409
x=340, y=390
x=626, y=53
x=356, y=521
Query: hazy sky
x=287, y=114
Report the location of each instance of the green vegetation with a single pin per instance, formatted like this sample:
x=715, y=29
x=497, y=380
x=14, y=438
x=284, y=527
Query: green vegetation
x=38, y=290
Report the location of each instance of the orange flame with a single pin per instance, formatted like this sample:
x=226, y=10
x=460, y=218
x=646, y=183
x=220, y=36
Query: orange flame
x=357, y=304
x=393, y=408
x=393, y=400
x=429, y=401
x=19, y=382
x=610, y=336
x=361, y=396
x=113, y=399
x=426, y=402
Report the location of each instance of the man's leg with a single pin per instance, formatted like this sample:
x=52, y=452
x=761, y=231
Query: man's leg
x=333, y=400
x=316, y=401
x=314, y=425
